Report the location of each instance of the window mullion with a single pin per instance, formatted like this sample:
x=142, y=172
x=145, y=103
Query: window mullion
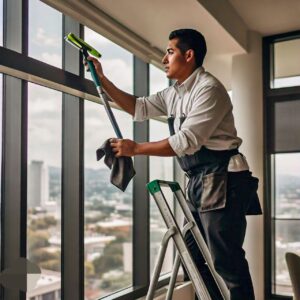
x=72, y=179
x=141, y=247
x=14, y=168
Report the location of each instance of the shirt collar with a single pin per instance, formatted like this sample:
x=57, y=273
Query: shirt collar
x=189, y=82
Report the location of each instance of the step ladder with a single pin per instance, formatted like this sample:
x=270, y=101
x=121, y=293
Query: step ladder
x=182, y=254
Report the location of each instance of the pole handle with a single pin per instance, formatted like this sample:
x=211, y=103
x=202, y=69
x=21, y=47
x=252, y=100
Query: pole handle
x=94, y=73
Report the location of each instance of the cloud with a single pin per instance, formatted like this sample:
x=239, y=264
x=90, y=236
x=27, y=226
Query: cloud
x=44, y=124
x=42, y=39
x=119, y=72
x=52, y=59
x=158, y=80
x=95, y=39
x=44, y=142
x=42, y=99
x=287, y=164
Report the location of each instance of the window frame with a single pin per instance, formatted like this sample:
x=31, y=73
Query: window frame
x=17, y=66
x=271, y=97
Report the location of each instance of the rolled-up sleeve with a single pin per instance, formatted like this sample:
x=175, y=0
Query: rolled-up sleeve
x=151, y=106
x=209, y=108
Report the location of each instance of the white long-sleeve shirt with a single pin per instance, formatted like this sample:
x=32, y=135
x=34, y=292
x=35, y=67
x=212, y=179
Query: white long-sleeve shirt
x=205, y=103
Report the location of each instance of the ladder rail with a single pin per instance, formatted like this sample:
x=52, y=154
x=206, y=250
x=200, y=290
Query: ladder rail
x=176, y=265
x=160, y=259
x=202, y=245
x=154, y=188
x=186, y=258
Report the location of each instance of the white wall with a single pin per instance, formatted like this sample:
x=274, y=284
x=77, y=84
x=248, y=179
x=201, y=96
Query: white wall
x=247, y=97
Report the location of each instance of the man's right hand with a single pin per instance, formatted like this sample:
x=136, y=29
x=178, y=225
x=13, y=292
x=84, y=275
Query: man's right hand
x=123, y=99
x=97, y=64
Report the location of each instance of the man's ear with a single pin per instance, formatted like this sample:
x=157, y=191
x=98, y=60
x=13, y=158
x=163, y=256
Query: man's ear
x=189, y=55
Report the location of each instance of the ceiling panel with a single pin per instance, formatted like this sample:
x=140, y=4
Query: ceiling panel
x=269, y=17
x=154, y=20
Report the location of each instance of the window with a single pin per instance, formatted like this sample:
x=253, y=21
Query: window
x=108, y=211
x=49, y=296
x=283, y=149
x=44, y=183
x=45, y=33
x=286, y=217
x=286, y=63
x=116, y=62
x=158, y=80
x=160, y=168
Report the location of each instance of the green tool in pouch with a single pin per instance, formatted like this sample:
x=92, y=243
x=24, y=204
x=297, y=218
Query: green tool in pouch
x=86, y=49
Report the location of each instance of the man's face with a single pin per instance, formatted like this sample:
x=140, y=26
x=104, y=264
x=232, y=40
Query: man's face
x=174, y=61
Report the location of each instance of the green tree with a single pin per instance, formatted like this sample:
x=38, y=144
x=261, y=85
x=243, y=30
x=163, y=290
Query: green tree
x=89, y=269
x=53, y=265
x=116, y=283
x=37, y=239
x=112, y=258
x=43, y=223
x=107, y=262
x=43, y=255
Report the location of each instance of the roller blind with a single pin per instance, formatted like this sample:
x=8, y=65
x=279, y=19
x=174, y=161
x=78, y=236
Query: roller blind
x=287, y=126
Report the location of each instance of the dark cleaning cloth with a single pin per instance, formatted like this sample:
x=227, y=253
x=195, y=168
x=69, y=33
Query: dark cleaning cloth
x=122, y=170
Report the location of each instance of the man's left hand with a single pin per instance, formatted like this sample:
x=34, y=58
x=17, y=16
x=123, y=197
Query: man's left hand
x=123, y=147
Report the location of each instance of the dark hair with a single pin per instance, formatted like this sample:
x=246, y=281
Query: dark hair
x=190, y=39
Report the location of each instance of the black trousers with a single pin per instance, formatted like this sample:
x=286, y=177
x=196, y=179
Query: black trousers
x=224, y=231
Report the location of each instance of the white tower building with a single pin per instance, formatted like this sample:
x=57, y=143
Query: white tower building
x=38, y=184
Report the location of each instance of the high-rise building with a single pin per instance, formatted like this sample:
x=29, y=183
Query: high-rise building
x=38, y=184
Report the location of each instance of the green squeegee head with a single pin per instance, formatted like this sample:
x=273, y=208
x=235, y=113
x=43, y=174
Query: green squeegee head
x=81, y=44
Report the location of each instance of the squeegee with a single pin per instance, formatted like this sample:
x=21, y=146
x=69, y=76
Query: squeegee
x=86, y=49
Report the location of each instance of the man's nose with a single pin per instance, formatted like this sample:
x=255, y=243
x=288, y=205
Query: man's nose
x=164, y=59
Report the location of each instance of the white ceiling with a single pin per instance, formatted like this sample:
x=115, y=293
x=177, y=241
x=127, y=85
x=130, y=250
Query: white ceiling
x=269, y=17
x=154, y=20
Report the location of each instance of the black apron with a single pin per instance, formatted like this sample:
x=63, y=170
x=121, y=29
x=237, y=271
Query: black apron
x=208, y=184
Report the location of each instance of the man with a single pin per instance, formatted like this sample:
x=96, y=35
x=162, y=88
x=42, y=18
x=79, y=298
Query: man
x=221, y=189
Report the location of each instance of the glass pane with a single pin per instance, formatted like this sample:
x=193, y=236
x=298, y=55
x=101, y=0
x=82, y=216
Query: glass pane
x=117, y=63
x=287, y=124
x=108, y=211
x=287, y=63
x=44, y=186
x=287, y=193
x=160, y=168
x=1, y=22
x=158, y=80
x=287, y=240
x=45, y=33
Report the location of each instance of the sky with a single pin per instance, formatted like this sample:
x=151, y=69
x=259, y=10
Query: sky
x=45, y=33
x=287, y=164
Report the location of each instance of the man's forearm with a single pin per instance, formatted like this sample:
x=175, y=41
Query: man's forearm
x=124, y=100
x=160, y=148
